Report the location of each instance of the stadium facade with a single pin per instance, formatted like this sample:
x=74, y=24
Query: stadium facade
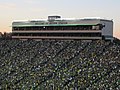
x=57, y=28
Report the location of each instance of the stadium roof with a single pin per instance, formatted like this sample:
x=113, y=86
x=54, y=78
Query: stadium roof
x=53, y=25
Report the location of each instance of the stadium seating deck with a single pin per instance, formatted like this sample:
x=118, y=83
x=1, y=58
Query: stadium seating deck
x=59, y=65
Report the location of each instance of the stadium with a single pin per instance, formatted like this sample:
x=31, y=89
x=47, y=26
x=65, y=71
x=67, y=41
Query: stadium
x=54, y=55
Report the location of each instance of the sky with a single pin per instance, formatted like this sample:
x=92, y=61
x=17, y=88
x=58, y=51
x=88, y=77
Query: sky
x=11, y=10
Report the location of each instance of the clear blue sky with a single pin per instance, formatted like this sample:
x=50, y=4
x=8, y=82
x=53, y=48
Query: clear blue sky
x=35, y=9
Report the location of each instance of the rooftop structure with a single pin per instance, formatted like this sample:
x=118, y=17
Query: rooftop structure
x=56, y=27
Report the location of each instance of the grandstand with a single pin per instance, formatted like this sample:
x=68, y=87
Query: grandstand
x=56, y=27
x=85, y=58
x=59, y=65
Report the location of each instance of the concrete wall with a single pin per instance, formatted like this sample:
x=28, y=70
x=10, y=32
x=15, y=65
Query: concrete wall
x=107, y=31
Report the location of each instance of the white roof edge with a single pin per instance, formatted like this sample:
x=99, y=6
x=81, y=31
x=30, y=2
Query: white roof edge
x=45, y=20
